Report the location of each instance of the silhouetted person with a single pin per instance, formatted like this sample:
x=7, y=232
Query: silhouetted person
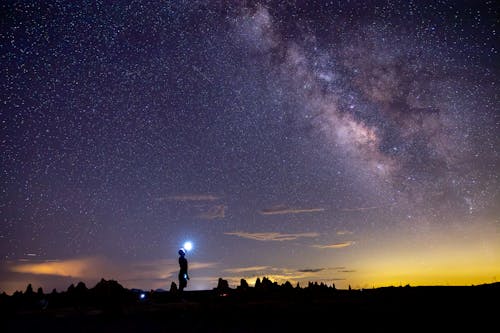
x=183, y=272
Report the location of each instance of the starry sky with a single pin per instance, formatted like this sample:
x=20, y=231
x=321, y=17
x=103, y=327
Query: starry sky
x=345, y=142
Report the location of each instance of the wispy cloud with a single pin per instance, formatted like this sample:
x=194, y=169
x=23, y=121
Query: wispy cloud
x=70, y=268
x=201, y=265
x=272, y=236
x=360, y=209
x=334, y=246
x=281, y=210
x=247, y=269
x=189, y=197
x=317, y=270
x=344, y=232
x=215, y=212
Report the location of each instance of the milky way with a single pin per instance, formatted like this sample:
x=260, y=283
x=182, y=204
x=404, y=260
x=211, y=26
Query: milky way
x=347, y=141
x=392, y=105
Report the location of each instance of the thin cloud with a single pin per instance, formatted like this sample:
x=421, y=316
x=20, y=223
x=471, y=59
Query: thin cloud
x=200, y=265
x=68, y=268
x=215, y=212
x=190, y=197
x=335, y=246
x=246, y=269
x=316, y=270
x=281, y=210
x=271, y=236
x=344, y=232
x=360, y=209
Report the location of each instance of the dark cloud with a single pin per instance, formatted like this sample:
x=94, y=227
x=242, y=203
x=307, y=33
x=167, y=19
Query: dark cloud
x=310, y=270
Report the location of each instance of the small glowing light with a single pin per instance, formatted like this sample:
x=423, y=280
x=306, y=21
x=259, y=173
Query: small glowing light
x=142, y=296
x=188, y=246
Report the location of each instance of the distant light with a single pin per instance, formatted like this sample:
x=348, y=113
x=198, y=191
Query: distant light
x=188, y=246
x=142, y=296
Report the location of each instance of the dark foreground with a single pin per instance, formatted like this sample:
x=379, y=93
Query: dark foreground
x=397, y=309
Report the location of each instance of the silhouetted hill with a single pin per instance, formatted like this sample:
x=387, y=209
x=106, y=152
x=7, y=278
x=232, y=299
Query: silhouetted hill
x=266, y=307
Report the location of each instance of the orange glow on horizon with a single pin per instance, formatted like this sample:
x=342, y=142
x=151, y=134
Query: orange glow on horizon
x=69, y=268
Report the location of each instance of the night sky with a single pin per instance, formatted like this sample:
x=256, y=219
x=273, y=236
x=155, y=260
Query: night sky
x=346, y=142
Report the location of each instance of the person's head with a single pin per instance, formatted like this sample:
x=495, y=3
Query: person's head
x=182, y=252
